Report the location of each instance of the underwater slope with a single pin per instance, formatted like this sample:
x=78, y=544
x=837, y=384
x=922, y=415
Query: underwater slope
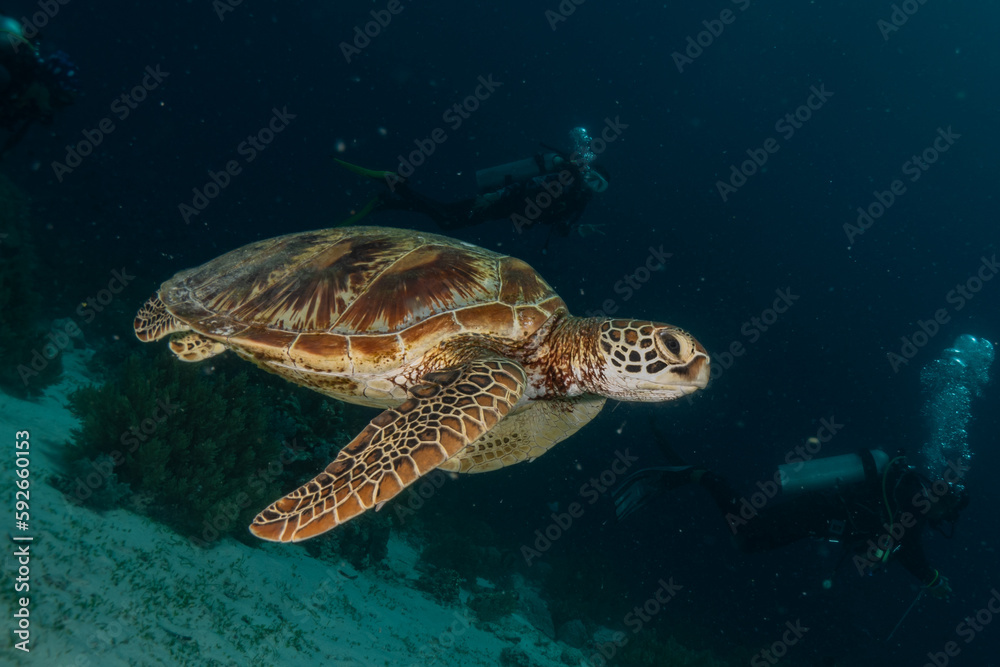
x=118, y=589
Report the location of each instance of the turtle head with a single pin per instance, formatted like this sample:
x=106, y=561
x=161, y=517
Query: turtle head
x=650, y=361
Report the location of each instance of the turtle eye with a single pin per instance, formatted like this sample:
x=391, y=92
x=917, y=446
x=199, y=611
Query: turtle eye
x=670, y=341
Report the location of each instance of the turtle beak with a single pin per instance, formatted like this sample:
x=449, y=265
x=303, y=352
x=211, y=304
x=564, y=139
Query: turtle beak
x=681, y=380
x=695, y=373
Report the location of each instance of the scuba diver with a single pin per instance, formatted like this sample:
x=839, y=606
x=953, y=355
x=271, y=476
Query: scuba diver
x=32, y=87
x=551, y=188
x=876, y=507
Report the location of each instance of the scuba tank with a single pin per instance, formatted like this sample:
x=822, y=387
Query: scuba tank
x=494, y=178
x=819, y=474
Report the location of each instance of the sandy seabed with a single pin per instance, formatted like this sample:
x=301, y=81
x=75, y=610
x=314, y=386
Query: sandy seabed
x=116, y=588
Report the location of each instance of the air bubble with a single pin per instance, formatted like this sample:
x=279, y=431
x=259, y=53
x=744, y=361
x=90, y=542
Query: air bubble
x=949, y=384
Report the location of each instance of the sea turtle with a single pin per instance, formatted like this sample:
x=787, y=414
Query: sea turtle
x=474, y=358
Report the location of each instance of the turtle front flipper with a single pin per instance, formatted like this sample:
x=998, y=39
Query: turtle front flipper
x=444, y=414
x=154, y=321
x=526, y=434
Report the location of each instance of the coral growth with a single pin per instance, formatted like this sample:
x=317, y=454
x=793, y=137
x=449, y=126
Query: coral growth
x=442, y=585
x=493, y=605
x=202, y=445
x=514, y=657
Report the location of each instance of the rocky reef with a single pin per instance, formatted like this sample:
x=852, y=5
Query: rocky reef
x=200, y=448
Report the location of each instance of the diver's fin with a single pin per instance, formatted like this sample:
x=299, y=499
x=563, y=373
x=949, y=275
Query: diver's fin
x=359, y=215
x=660, y=440
x=643, y=485
x=368, y=173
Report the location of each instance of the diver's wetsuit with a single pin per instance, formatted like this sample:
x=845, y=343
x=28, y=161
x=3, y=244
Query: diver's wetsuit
x=509, y=201
x=856, y=516
x=36, y=89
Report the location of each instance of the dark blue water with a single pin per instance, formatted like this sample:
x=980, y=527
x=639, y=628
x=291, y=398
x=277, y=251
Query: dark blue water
x=885, y=96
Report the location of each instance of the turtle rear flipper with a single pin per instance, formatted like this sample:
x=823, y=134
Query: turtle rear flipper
x=447, y=412
x=527, y=434
x=195, y=347
x=154, y=321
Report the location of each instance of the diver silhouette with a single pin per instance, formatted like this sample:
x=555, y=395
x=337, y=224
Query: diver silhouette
x=875, y=507
x=32, y=88
x=550, y=188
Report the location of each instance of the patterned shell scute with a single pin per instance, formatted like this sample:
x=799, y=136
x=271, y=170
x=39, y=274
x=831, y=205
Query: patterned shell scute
x=358, y=280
